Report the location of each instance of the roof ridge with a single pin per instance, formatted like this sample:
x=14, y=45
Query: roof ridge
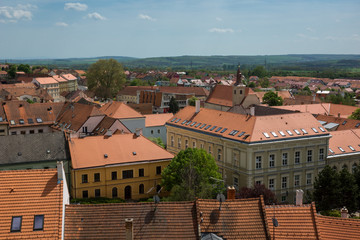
x=313, y=216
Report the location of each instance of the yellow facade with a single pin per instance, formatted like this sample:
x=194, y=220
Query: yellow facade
x=244, y=164
x=72, y=85
x=106, y=183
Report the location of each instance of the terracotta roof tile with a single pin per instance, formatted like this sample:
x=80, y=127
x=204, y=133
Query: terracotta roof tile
x=167, y=220
x=344, y=123
x=132, y=90
x=59, y=79
x=46, y=80
x=119, y=148
x=27, y=193
x=152, y=120
x=221, y=95
x=119, y=110
x=107, y=123
x=198, y=91
x=68, y=77
x=333, y=228
x=341, y=141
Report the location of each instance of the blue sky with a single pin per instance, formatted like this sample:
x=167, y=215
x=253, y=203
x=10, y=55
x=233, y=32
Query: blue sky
x=153, y=28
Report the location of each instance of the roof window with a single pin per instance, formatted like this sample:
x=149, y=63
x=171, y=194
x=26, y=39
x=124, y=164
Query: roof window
x=246, y=136
x=177, y=120
x=68, y=126
x=219, y=128
x=202, y=126
x=282, y=133
x=183, y=122
x=197, y=125
x=38, y=222
x=39, y=120
x=102, y=130
x=289, y=132
x=193, y=124
x=188, y=123
x=314, y=129
x=1, y=119
x=222, y=131
x=341, y=149
x=213, y=128
x=321, y=129
x=21, y=121
x=353, y=149
x=274, y=134
x=173, y=120
x=331, y=150
x=304, y=131
x=266, y=135
x=344, y=122
x=207, y=127
x=235, y=132
x=297, y=131
x=31, y=121
x=12, y=122
x=242, y=133
x=16, y=224
x=357, y=125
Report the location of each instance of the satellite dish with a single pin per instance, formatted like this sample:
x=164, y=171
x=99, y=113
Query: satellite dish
x=220, y=197
x=275, y=222
x=156, y=199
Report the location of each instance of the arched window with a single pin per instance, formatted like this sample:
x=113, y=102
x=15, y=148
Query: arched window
x=344, y=166
x=354, y=166
x=114, y=192
x=158, y=187
x=127, y=192
x=141, y=189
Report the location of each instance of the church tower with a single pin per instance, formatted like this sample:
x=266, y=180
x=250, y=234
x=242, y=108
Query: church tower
x=238, y=89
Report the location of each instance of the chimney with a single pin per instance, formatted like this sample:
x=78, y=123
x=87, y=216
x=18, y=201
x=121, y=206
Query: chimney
x=344, y=212
x=252, y=111
x=197, y=106
x=231, y=193
x=60, y=167
x=129, y=229
x=299, y=197
x=138, y=132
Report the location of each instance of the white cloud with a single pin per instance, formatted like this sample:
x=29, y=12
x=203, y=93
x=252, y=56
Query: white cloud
x=76, y=6
x=95, y=16
x=219, y=19
x=13, y=14
x=61, y=24
x=146, y=17
x=221, y=30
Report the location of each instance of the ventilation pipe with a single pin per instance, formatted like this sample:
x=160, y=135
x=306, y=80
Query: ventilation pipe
x=197, y=106
x=299, y=197
x=129, y=229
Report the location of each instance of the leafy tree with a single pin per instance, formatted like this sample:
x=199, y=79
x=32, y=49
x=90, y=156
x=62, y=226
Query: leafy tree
x=252, y=85
x=173, y=106
x=106, y=77
x=259, y=71
x=192, y=173
x=305, y=91
x=264, y=82
x=24, y=68
x=12, y=71
x=256, y=191
x=158, y=141
x=355, y=115
x=326, y=189
x=348, y=191
x=272, y=99
x=192, y=100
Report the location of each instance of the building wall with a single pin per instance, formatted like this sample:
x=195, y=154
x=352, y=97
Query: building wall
x=150, y=180
x=72, y=85
x=155, y=132
x=216, y=107
x=4, y=130
x=127, y=98
x=133, y=123
x=341, y=161
x=29, y=130
x=90, y=124
x=237, y=160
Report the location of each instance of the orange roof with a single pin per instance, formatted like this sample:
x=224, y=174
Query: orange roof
x=80, y=72
x=120, y=148
x=68, y=76
x=295, y=222
x=282, y=94
x=46, y=80
x=334, y=228
x=237, y=219
x=119, y=110
x=198, y=91
x=221, y=95
x=27, y=193
x=132, y=90
x=58, y=78
x=341, y=141
x=344, y=123
x=247, y=128
x=152, y=120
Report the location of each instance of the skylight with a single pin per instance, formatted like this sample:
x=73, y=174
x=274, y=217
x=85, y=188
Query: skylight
x=193, y=124
x=21, y=121
x=321, y=129
x=341, y=149
x=173, y=120
x=12, y=122
x=1, y=119
x=344, y=122
x=246, y=136
x=222, y=131
x=38, y=222
x=266, y=135
x=351, y=148
x=274, y=134
x=39, y=120
x=282, y=133
x=314, y=129
x=331, y=150
x=242, y=133
x=69, y=126
x=30, y=120
x=197, y=125
x=235, y=132
x=219, y=128
x=230, y=133
x=177, y=120
x=188, y=123
x=16, y=224
x=289, y=132
x=297, y=132
x=357, y=125
x=202, y=126
x=304, y=131
x=207, y=127
x=183, y=122
x=213, y=128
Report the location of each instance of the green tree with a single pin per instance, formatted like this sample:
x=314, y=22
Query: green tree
x=12, y=71
x=259, y=71
x=264, y=82
x=348, y=191
x=355, y=115
x=192, y=173
x=173, y=106
x=105, y=77
x=158, y=141
x=192, y=100
x=326, y=189
x=252, y=85
x=272, y=99
x=24, y=68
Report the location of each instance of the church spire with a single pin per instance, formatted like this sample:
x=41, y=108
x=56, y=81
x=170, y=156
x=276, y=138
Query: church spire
x=238, y=76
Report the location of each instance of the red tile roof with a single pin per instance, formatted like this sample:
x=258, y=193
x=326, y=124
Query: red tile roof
x=28, y=193
x=119, y=148
x=198, y=91
x=221, y=95
x=344, y=139
x=334, y=228
x=166, y=220
x=46, y=80
x=119, y=110
x=152, y=120
x=344, y=123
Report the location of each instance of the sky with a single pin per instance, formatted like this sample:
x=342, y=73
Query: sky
x=157, y=28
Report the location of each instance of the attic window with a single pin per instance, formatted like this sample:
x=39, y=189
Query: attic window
x=341, y=149
x=193, y=124
x=219, y=128
x=183, y=122
x=197, y=125
x=213, y=128
x=314, y=129
x=30, y=120
x=39, y=120
x=266, y=135
x=353, y=149
x=16, y=224
x=207, y=127
x=282, y=133
x=38, y=222
x=177, y=120
x=321, y=129
x=68, y=126
x=297, y=132
x=331, y=150
x=21, y=121
x=304, y=131
x=274, y=134
x=173, y=120
x=222, y=131
x=12, y=122
x=97, y=129
x=344, y=122
x=289, y=132
x=102, y=130
x=202, y=126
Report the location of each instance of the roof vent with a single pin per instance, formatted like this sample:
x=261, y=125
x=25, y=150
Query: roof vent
x=48, y=151
x=134, y=153
x=105, y=156
x=19, y=153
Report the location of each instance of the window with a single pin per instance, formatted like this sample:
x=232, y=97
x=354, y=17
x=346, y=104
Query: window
x=258, y=182
x=96, y=177
x=284, y=182
x=84, y=129
x=84, y=178
x=127, y=174
x=38, y=222
x=141, y=189
x=297, y=157
x=158, y=170
x=219, y=155
x=210, y=150
x=13, y=133
x=97, y=193
x=236, y=183
x=23, y=132
x=236, y=161
x=40, y=131
x=141, y=172
x=152, y=132
x=114, y=192
x=321, y=154
x=12, y=122
x=284, y=159
x=309, y=156
x=194, y=144
x=258, y=162
x=172, y=141
x=186, y=143
x=32, y=131
x=283, y=198
x=271, y=183
x=308, y=179
x=201, y=145
x=85, y=194
x=179, y=143
x=16, y=224
x=113, y=175
x=272, y=160
x=297, y=181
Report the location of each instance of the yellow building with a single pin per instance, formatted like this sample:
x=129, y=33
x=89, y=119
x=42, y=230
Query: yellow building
x=126, y=166
x=284, y=152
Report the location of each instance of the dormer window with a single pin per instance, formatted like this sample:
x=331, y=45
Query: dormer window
x=16, y=224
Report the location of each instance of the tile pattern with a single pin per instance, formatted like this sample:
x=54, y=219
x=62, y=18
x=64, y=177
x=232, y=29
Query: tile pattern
x=333, y=228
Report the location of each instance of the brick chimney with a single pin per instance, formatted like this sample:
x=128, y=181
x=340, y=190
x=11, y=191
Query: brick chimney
x=344, y=212
x=299, y=197
x=129, y=229
x=197, y=106
x=231, y=193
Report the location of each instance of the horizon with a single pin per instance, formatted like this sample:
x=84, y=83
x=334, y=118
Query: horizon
x=56, y=29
